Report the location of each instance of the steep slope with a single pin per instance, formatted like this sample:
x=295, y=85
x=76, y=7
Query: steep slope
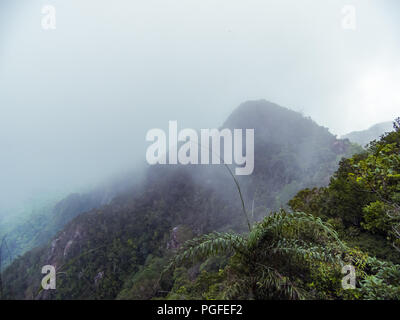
x=292, y=153
x=42, y=223
x=104, y=251
x=363, y=137
x=42, y=226
x=362, y=199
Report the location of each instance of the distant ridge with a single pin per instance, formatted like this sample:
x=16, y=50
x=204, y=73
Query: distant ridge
x=363, y=137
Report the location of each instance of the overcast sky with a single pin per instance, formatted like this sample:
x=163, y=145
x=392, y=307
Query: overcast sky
x=77, y=101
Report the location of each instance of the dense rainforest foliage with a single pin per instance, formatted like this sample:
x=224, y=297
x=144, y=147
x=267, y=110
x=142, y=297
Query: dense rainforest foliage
x=300, y=254
x=182, y=234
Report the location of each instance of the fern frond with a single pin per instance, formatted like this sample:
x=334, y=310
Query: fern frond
x=270, y=280
x=291, y=225
x=208, y=245
x=308, y=251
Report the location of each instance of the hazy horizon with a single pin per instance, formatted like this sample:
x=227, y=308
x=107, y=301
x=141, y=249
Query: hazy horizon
x=76, y=102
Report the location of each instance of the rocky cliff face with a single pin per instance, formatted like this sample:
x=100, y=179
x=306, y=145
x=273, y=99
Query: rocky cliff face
x=42, y=225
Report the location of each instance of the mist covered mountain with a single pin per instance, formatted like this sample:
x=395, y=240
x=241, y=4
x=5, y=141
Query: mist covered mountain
x=39, y=225
x=363, y=137
x=118, y=250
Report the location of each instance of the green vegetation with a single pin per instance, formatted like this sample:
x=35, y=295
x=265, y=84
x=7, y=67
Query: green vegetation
x=267, y=262
x=297, y=255
x=362, y=199
x=183, y=235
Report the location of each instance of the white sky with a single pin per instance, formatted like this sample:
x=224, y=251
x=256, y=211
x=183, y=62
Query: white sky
x=76, y=102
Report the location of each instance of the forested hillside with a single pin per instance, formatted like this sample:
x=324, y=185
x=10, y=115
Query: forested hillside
x=299, y=254
x=37, y=226
x=120, y=250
